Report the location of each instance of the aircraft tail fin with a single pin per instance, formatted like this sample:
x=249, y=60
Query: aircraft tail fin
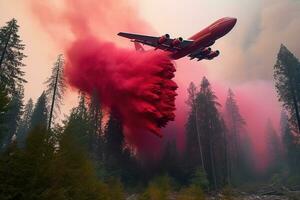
x=138, y=46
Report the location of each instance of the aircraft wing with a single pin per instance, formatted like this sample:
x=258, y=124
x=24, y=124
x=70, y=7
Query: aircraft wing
x=167, y=45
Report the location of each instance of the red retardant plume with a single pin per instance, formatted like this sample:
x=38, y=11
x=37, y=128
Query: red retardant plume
x=137, y=85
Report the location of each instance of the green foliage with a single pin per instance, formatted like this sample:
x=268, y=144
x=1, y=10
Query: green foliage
x=191, y=193
x=13, y=115
x=200, y=179
x=158, y=189
x=11, y=57
x=287, y=82
x=25, y=174
x=205, y=135
x=116, y=189
x=73, y=173
x=24, y=124
x=40, y=112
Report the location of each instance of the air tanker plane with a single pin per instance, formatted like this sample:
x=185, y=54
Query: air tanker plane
x=197, y=46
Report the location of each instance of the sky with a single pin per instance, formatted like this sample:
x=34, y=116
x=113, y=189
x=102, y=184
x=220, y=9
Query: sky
x=248, y=52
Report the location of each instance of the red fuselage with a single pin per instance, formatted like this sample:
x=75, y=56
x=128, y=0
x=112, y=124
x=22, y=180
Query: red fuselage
x=207, y=36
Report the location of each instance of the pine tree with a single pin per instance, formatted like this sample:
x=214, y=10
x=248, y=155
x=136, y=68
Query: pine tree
x=211, y=132
x=235, y=124
x=13, y=115
x=25, y=174
x=194, y=149
x=74, y=175
x=114, y=143
x=11, y=56
x=287, y=77
x=96, y=133
x=211, y=126
x=78, y=122
x=24, y=125
x=192, y=123
x=55, y=88
x=40, y=112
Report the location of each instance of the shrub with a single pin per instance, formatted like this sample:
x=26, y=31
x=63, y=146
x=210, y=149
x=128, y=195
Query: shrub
x=158, y=189
x=191, y=193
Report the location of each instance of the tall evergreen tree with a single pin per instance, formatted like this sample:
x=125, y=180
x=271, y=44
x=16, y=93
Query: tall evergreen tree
x=11, y=56
x=96, y=121
x=212, y=128
x=40, y=112
x=78, y=122
x=13, y=115
x=25, y=174
x=23, y=127
x=194, y=147
x=287, y=78
x=235, y=124
x=114, y=143
x=211, y=131
x=56, y=87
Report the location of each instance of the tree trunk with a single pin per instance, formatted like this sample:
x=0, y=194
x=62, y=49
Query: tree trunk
x=199, y=139
x=53, y=97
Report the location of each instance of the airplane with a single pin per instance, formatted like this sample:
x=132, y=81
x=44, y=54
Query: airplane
x=197, y=46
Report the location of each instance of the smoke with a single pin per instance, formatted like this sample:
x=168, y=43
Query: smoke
x=137, y=86
x=251, y=48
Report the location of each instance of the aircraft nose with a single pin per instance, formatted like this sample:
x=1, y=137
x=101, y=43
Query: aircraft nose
x=232, y=21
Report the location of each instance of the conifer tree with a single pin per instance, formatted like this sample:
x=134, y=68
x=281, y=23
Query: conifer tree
x=287, y=82
x=55, y=88
x=96, y=142
x=40, y=112
x=114, y=143
x=194, y=147
x=212, y=131
x=78, y=122
x=235, y=124
x=24, y=125
x=11, y=57
x=13, y=115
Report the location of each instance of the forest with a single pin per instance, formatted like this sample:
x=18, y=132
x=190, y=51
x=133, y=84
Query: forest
x=86, y=155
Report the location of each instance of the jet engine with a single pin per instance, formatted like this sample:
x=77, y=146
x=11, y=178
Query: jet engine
x=212, y=55
x=163, y=39
x=206, y=51
x=177, y=41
